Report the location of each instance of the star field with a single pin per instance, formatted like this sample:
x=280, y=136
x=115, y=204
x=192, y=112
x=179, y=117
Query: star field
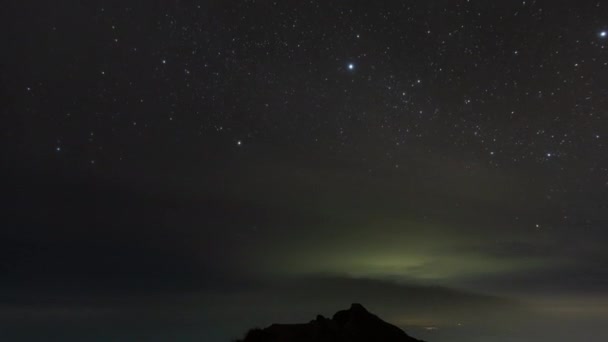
x=508, y=86
x=559, y=80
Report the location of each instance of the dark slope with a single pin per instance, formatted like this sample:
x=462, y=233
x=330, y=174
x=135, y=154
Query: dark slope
x=353, y=325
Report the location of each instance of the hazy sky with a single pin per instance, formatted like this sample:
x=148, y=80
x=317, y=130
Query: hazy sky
x=183, y=170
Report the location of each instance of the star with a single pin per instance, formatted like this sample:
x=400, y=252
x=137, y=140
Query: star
x=239, y=143
x=351, y=66
x=603, y=34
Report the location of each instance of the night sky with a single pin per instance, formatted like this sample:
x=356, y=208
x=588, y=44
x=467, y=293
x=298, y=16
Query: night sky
x=187, y=170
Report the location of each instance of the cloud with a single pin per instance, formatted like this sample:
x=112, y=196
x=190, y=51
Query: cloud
x=263, y=301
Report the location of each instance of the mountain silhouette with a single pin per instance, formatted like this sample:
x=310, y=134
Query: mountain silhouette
x=353, y=325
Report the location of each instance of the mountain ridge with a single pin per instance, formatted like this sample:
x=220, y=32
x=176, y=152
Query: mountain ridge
x=355, y=324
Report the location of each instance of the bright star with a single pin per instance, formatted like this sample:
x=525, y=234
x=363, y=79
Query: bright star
x=603, y=34
x=351, y=66
x=239, y=143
